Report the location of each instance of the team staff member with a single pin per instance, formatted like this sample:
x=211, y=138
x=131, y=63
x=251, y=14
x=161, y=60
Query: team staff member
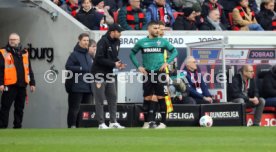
x=104, y=86
x=15, y=74
x=243, y=89
x=80, y=91
x=153, y=67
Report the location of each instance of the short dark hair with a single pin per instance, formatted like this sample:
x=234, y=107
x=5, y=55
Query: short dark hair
x=152, y=23
x=91, y=42
x=82, y=35
x=84, y=1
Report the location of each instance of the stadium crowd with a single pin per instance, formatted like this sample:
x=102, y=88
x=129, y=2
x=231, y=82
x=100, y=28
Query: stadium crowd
x=175, y=14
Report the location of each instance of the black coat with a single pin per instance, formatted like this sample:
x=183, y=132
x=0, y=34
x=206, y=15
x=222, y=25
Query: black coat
x=269, y=85
x=207, y=26
x=234, y=89
x=264, y=18
x=90, y=19
x=106, y=55
x=79, y=62
x=181, y=23
x=205, y=11
x=18, y=62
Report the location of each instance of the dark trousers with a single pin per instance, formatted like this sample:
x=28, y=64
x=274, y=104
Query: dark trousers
x=74, y=101
x=105, y=92
x=17, y=95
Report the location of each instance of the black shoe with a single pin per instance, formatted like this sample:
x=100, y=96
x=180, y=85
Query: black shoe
x=152, y=124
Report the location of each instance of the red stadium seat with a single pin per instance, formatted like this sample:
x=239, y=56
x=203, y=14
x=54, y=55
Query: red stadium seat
x=249, y=110
x=269, y=109
x=115, y=15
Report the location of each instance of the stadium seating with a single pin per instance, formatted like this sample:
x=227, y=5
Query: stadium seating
x=115, y=15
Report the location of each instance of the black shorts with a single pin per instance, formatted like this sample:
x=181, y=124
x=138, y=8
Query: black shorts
x=155, y=83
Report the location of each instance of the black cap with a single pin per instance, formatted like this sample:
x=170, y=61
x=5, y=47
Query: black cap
x=96, y=2
x=188, y=11
x=115, y=27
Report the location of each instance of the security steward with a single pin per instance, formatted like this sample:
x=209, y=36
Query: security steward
x=15, y=74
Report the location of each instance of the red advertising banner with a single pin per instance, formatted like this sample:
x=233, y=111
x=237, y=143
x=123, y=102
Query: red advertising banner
x=267, y=119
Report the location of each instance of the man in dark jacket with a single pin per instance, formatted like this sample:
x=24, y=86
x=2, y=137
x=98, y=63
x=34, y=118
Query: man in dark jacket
x=88, y=16
x=269, y=87
x=15, y=74
x=160, y=10
x=243, y=89
x=79, y=65
x=104, y=84
x=197, y=87
x=186, y=21
x=212, y=22
x=209, y=5
x=267, y=17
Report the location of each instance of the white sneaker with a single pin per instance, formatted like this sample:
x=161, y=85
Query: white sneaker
x=116, y=125
x=103, y=126
x=161, y=126
x=146, y=125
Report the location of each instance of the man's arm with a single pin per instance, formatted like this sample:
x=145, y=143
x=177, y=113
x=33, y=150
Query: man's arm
x=133, y=52
x=173, y=52
x=32, y=78
x=2, y=67
x=73, y=65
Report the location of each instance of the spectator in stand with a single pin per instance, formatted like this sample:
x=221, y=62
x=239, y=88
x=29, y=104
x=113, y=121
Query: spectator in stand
x=71, y=7
x=197, y=87
x=213, y=4
x=268, y=87
x=243, y=18
x=88, y=16
x=186, y=21
x=267, y=17
x=212, y=22
x=160, y=11
x=229, y=5
x=131, y=17
x=243, y=89
x=104, y=10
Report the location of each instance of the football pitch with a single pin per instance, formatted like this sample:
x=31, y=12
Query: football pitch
x=188, y=139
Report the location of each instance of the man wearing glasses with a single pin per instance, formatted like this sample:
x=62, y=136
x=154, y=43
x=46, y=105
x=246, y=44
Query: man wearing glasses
x=243, y=89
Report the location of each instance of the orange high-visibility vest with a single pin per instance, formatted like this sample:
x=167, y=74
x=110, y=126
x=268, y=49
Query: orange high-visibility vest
x=10, y=75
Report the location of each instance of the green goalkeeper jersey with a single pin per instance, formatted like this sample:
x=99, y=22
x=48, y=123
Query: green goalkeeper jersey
x=152, y=52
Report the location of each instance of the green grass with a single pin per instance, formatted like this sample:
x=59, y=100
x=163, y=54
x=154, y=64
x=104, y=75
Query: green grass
x=215, y=139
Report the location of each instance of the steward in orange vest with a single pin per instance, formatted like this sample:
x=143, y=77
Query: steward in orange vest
x=15, y=74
